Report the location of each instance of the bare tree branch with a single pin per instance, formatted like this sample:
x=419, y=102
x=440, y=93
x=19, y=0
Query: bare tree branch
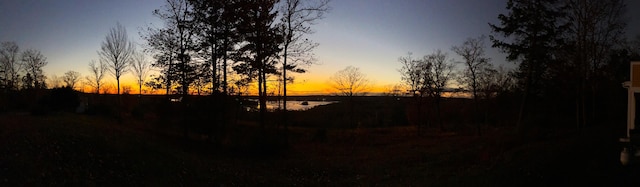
x=117, y=50
x=9, y=64
x=33, y=61
x=472, y=52
x=97, y=74
x=350, y=82
x=140, y=67
x=71, y=78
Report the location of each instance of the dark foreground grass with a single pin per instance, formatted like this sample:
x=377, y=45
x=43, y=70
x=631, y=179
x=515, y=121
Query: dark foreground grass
x=70, y=149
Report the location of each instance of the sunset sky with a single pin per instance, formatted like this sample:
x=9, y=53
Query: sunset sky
x=369, y=34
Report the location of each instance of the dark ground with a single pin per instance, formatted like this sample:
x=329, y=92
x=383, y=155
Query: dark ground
x=71, y=149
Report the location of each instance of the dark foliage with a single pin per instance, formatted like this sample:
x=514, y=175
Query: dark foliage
x=138, y=111
x=61, y=99
x=100, y=109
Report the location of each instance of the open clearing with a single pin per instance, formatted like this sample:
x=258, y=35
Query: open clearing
x=72, y=149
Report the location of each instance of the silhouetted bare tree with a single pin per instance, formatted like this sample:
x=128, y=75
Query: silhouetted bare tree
x=440, y=76
x=163, y=44
x=140, y=67
x=413, y=74
x=33, y=61
x=117, y=51
x=71, y=78
x=9, y=64
x=297, y=16
x=350, y=82
x=97, y=74
x=416, y=75
x=55, y=81
x=476, y=66
x=155, y=82
x=394, y=90
x=175, y=43
x=595, y=29
x=494, y=81
x=475, y=61
x=27, y=81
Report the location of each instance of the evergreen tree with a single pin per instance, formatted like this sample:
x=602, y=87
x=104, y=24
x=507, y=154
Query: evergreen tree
x=258, y=53
x=530, y=33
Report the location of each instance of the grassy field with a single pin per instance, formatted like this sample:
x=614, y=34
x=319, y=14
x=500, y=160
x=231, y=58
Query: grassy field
x=72, y=149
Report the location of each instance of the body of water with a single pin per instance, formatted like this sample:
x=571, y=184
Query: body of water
x=295, y=105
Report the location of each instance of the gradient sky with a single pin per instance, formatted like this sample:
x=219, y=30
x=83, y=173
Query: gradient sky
x=369, y=34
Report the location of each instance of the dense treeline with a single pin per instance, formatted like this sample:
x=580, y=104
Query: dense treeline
x=569, y=52
x=571, y=57
x=21, y=70
x=215, y=47
x=201, y=41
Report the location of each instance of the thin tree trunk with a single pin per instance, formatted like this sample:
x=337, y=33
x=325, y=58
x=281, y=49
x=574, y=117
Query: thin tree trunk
x=263, y=101
x=120, y=105
x=351, y=120
x=577, y=107
x=582, y=89
x=593, y=102
x=475, y=105
x=118, y=82
x=260, y=98
x=284, y=95
x=169, y=74
x=523, y=104
x=214, y=86
x=262, y=93
x=419, y=110
x=438, y=99
x=476, y=112
x=522, y=109
x=224, y=68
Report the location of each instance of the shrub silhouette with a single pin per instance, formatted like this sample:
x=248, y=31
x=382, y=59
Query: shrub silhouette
x=100, y=109
x=138, y=111
x=61, y=99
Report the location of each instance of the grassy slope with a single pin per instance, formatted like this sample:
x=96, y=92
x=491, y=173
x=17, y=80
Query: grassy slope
x=69, y=149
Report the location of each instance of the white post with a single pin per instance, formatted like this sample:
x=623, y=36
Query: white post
x=631, y=110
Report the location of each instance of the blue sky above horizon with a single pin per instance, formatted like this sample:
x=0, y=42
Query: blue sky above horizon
x=369, y=34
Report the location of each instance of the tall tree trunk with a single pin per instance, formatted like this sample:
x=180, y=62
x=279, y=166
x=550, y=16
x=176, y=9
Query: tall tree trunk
x=577, y=106
x=224, y=68
x=185, y=91
x=525, y=96
x=418, y=100
x=120, y=105
x=284, y=94
x=169, y=74
x=583, y=97
x=118, y=83
x=476, y=114
x=351, y=116
x=438, y=99
x=214, y=68
x=261, y=93
x=475, y=104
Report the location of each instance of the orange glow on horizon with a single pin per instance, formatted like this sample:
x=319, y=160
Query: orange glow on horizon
x=293, y=89
x=306, y=89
